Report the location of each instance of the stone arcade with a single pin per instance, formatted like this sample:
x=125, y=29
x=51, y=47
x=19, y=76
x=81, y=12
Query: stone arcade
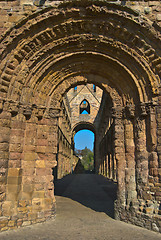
x=46, y=50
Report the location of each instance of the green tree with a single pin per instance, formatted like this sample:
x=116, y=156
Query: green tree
x=87, y=159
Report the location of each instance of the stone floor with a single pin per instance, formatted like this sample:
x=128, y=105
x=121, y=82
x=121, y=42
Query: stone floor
x=84, y=211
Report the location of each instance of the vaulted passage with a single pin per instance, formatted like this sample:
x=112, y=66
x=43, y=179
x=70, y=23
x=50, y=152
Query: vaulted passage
x=80, y=65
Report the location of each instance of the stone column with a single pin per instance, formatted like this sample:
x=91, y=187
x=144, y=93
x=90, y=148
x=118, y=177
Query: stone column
x=141, y=153
x=119, y=151
x=5, y=124
x=115, y=168
x=14, y=179
x=152, y=142
x=158, y=116
x=46, y=150
x=97, y=156
x=131, y=194
x=28, y=159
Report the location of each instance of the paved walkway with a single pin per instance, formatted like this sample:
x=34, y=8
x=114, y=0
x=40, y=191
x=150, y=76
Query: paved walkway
x=84, y=211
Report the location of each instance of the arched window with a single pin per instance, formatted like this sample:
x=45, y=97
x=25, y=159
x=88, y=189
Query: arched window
x=84, y=107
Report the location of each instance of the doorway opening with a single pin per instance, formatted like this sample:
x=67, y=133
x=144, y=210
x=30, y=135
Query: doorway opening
x=84, y=148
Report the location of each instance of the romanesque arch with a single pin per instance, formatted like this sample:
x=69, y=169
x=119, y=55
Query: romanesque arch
x=42, y=57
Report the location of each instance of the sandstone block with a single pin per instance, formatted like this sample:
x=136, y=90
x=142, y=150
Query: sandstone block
x=40, y=163
x=30, y=156
x=42, y=142
x=28, y=188
x=14, y=172
x=18, y=125
x=3, y=221
x=32, y=216
x=22, y=209
x=13, y=180
x=11, y=223
x=4, y=228
x=26, y=223
x=19, y=222
x=39, y=194
x=6, y=208
x=4, y=138
x=22, y=203
x=29, y=148
x=5, y=123
x=50, y=164
x=17, y=147
x=4, y=147
x=158, y=18
x=28, y=164
x=13, y=188
x=15, y=155
x=16, y=139
x=28, y=171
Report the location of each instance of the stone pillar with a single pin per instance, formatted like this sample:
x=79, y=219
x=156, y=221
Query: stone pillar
x=105, y=160
x=115, y=168
x=60, y=154
x=152, y=142
x=46, y=150
x=141, y=154
x=5, y=124
x=97, y=156
x=158, y=114
x=119, y=151
x=28, y=159
x=107, y=173
x=110, y=166
x=131, y=194
x=14, y=179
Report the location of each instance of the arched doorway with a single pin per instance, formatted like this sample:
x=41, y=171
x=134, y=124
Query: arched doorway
x=40, y=64
x=91, y=129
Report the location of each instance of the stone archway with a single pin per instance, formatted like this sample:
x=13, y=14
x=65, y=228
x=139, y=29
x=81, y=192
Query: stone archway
x=85, y=126
x=97, y=43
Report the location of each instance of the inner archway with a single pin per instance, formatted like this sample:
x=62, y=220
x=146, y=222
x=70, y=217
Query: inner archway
x=84, y=148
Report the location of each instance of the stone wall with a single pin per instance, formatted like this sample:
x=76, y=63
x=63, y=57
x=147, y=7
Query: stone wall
x=76, y=97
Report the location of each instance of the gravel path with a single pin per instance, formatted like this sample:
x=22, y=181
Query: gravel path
x=84, y=211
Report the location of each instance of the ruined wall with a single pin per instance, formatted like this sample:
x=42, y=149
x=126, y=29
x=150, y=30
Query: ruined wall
x=66, y=160
x=30, y=144
x=106, y=163
x=77, y=95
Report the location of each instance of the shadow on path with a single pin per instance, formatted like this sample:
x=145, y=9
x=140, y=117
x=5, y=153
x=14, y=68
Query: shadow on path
x=91, y=190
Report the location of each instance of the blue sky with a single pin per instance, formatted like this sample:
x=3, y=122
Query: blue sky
x=84, y=138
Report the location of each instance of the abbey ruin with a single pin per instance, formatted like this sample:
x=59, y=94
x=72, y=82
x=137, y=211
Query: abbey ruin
x=58, y=59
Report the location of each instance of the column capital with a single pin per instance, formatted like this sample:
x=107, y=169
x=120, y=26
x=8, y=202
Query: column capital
x=52, y=112
x=129, y=111
x=117, y=112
